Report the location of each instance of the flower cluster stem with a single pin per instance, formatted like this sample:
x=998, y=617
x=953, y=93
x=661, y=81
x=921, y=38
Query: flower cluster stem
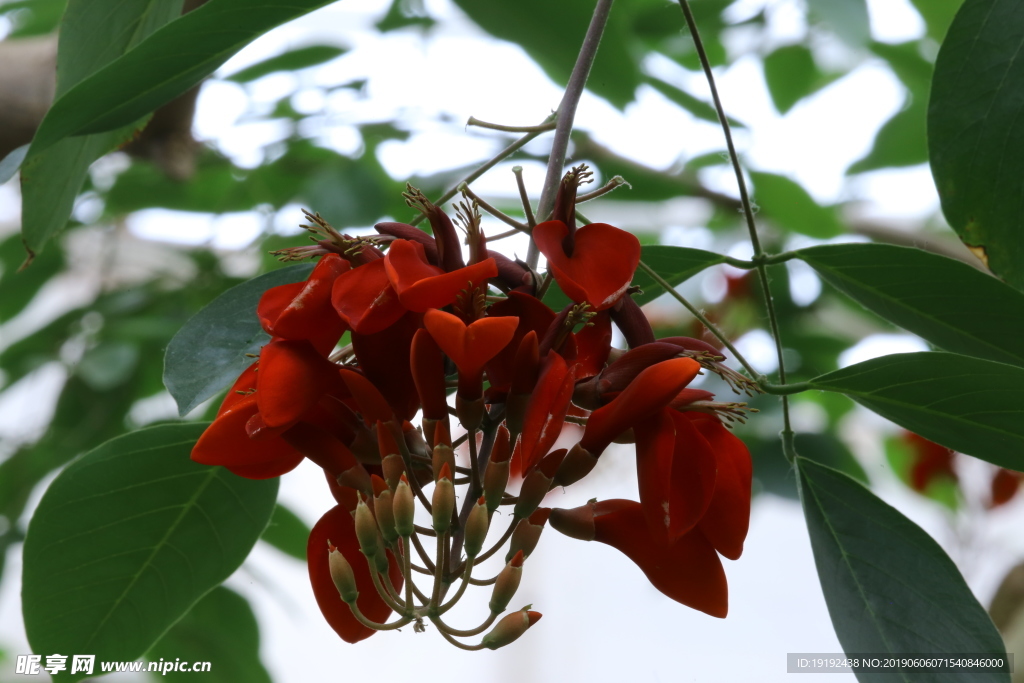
x=567, y=114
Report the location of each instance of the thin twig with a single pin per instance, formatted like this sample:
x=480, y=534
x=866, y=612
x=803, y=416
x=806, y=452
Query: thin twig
x=542, y=128
x=748, y=213
x=500, y=215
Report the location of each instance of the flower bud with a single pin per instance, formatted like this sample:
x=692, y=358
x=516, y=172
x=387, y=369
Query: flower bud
x=383, y=507
x=537, y=484
x=393, y=467
x=443, y=455
x=366, y=530
x=470, y=412
x=341, y=573
x=497, y=470
x=476, y=528
x=507, y=583
x=578, y=463
x=404, y=508
x=527, y=533
x=510, y=628
x=443, y=502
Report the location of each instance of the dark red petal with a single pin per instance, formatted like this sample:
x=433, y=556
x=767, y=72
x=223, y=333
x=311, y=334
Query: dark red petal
x=655, y=442
x=545, y=413
x=225, y=442
x=601, y=266
x=337, y=527
x=593, y=344
x=268, y=470
x=469, y=346
x=291, y=379
x=534, y=316
x=427, y=363
x=1004, y=486
x=321, y=447
x=303, y=310
x=243, y=387
x=372, y=404
x=385, y=360
x=688, y=571
x=652, y=390
x=727, y=519
x=693, y=479
x=414, y=234
x=364, y=298
x=421, y=286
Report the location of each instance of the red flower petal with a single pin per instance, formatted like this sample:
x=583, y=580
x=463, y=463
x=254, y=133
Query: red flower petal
x=243, y=387
x=371, y=402
x=593, y=344
x=385, y=360
x=545, y=413
x=303, y=310
x=694, y=477
x=728, y=517
x=688, y=571
x=601, y=266
x=291, y=379
x=421, y=286
x=469, y=346
x=364, y=298
x=534, y=316
x=650, y=391
x=337, y=527
x=268, y=470
x=427, y=364
x=226, y=442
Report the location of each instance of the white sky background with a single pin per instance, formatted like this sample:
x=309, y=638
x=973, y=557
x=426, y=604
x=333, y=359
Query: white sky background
x=603, y=621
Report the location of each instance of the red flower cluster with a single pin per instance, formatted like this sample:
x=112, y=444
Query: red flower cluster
x=423, y=321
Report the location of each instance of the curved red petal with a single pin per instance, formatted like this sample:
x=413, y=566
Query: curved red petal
x=546, y=411
x=693, y=478
x=602, y=264
x=303, y=310
x=385, y=360
x=291, y=379
x=650, y=391
x=243, y=388
x=655, y=443
x=688, y=571
x=269, y=470
x=421, y=286
x=534, y=316
x=427, y=365
x=226, y=442
x=469, y=346
x=728, y=516
x=337, y=527
x=365, y=299
x=372, y=404
x=593, y=344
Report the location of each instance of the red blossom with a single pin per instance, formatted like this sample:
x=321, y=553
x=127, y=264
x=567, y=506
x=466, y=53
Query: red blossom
x=601, y=265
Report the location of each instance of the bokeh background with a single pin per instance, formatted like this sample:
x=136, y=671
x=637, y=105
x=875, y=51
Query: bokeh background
x=336, y=112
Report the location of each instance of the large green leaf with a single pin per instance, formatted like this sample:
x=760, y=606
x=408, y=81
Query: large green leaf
x=890, y=589
x=945, y=301
x=220, y=629
x=128, y=537
x=901, y=140
x=937, y=15
x=212, y=348
x=787, y=203
x=970, y=405
x=975, y=142
x=164, y=66
x=52, y=178
x=791, y=75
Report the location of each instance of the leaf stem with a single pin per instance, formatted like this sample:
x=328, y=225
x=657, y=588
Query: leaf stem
x=542, y=128
x=748, y=213
x=567, y=114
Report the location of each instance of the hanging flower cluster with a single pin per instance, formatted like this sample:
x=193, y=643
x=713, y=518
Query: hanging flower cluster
x=424, y=321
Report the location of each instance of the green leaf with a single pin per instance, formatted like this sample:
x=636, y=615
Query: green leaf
x=901, y=141
x=287, y=533
x=848, y=19
x=970, y=405
x=789, y=205
x=32, y=17
x=937, y=15
x=164, y=66
x=12, y=162
x=675, y=264
x=940, y=299
x=209, y=352
x=976, y=146
x=52, y=178
x=889, y=587
x=696, y=106
x=20, y=288
x=128, y=537
x=776, y=475
x=220, y=629
x=791, y=75
x=293, y=60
